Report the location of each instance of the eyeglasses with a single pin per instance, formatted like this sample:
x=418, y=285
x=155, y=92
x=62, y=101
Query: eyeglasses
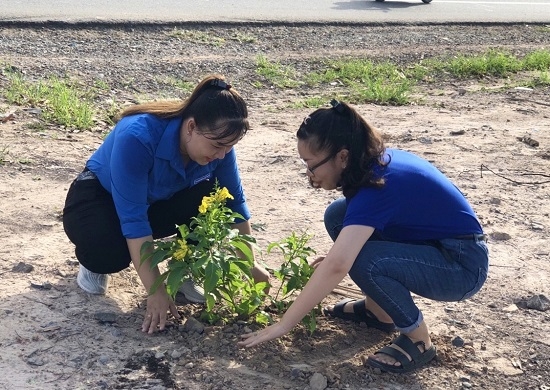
x=313, y=168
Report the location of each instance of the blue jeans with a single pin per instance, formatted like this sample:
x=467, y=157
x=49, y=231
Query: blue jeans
x=388, y=271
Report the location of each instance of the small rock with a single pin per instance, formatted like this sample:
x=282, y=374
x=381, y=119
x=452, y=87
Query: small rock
x=176, y=354
x=425, y=140
x=527, y=89
x=189, y=365
x=103, y=359
x=36, y=361
x=105, y=317
x=538, y=302
x=318, y=382
x=23, y=268
x=495, y=201
x=510, y=309
x=537, y=226
x=159, y=355
x=458, y=132
x=500, y=236
x=42, y=286
x=458, y=342
x=193, y=325
x=466, y=385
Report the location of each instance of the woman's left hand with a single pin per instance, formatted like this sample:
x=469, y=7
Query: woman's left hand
x=263, y=335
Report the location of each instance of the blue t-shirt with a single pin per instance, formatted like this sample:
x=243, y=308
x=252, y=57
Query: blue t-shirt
x=140, y=163
x=417, y=202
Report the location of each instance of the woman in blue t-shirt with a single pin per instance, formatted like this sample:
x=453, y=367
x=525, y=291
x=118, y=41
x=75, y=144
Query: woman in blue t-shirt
x=149, y=175
x=401, y=228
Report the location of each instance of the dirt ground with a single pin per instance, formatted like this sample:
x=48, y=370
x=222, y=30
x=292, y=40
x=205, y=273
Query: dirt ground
x=55, y=336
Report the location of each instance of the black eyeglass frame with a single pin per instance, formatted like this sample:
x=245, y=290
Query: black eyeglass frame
x=323, y=161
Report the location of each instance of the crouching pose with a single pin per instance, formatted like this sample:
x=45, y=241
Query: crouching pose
x=401, y=227
x=149, y=175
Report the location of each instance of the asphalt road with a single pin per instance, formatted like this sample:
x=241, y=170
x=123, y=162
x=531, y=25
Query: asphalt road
x=360, y=11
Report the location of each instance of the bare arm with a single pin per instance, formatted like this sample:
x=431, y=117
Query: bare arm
x=326, y=277
x=158, y=303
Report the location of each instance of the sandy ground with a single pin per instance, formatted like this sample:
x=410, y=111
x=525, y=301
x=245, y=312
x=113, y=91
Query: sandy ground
x=55, y=336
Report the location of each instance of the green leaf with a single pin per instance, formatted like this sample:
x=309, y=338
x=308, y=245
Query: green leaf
x=263, y=318
x=210, y=301
x=243, y=266
x=244, y=248
x=158, y=257
x=174, y=280
x=159, y=281
x=211, y=277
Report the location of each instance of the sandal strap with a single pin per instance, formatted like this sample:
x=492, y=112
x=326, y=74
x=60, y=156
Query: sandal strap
x=338, y=309
x=409, y=347
x=359, y=307
x=396, y=354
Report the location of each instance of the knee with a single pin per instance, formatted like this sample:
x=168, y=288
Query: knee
x=334, y=217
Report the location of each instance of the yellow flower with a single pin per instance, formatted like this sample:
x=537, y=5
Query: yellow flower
x=223, y=194
x=181, y=252
x=206, y=202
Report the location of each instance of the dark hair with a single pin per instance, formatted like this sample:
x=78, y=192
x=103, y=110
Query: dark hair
x=341, y=127
x=216, y=106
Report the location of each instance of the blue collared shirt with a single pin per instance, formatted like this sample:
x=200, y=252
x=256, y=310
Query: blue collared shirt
x=140, y=163
x=417, y=202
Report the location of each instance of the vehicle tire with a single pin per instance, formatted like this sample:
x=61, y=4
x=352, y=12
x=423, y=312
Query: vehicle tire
x=426, y=1
x=380, y=1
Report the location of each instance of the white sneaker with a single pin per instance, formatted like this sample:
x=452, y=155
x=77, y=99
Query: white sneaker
x=192, y=292
x=91, y=282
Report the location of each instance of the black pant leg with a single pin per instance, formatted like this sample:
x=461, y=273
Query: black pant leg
x=91, y=222
x=164, y=215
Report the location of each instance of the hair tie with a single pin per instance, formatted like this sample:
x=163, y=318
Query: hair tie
x=220, y=84
x=339, y=107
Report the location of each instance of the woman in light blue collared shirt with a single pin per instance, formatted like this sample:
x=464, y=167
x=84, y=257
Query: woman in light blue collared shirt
x=148, y=176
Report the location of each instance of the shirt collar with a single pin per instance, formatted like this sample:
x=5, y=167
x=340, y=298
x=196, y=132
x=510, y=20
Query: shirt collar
x=169, y=145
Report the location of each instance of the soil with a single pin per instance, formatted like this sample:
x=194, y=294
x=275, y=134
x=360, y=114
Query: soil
x=478, y=131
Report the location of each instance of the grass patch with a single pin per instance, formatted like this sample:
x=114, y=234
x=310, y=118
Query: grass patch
x=197, y=37
x=282, y=76
x=3, y=155
x=242, y=37
x=62, y=102
x=367, y=81
x=491, y=63
x=311, y=102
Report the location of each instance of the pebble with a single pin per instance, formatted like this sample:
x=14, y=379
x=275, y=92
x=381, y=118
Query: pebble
x=318, y=382
x=458, y=342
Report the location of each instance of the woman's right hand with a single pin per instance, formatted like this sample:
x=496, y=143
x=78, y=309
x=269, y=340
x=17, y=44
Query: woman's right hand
x=158, y=305
x=315, y=263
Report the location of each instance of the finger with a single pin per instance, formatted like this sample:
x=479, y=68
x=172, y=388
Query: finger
x=247, y=335
x=154, y=323
x=250, y=342
x=249, y=339
x=146, y=322
x=162, y=321
x=174, y=310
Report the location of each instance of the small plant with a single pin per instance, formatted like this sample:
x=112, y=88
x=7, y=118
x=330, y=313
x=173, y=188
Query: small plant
x=214, y=256
x=243, y=37
x=3, y=155
x=62, y=102
x=279, y=75
x=219, y=258
x=293, y=274
x=367, y=81
x=196, y=36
